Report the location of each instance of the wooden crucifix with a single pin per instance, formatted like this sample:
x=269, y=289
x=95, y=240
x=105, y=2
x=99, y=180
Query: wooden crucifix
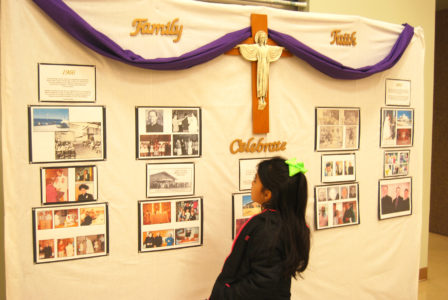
x=260, y=73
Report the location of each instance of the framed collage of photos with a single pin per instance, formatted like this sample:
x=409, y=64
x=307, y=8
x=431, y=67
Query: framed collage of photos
x=336, y=205
x=61, y=185
x=398, y=92
x=397, y=127
x=168, y=132
x=170, y=224
x=337, y=129
x=396, y=163
x=248, y=170
x=338, y=168
x=70, y=232
x=243, y=208
x=394, y=198
x=169, y=179
x=66, y=83
x=66, y=133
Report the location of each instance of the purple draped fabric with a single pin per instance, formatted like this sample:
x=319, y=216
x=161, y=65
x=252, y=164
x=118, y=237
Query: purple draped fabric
x=337, y=70
x=95, y=40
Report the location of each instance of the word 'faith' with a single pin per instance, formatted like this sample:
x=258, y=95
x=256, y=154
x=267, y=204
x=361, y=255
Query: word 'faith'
x=142, y=26
x=343, y=39
x=251, y=146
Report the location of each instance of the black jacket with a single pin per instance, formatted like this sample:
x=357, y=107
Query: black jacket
x=253, y=270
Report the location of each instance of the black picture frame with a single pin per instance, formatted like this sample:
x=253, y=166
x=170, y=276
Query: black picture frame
x=393, y=135
x=391, y=168
x=73, y=232
x=408, y=104
x=335, y=125
x=336, y=204
x=169, y=174
x=180, y=139
x=387, y=207
x=174, y=223
x=346, y=174
x=72, y=179
x=55, y=133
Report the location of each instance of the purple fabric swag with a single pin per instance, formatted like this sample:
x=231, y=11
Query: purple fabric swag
x=71, y=22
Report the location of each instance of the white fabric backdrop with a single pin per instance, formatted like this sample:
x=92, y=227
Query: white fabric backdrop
x=374, y=260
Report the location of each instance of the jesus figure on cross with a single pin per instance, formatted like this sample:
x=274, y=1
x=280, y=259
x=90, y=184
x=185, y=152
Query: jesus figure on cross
x=263, y=54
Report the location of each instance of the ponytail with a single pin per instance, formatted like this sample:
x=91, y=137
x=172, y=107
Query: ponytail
x=289, y=198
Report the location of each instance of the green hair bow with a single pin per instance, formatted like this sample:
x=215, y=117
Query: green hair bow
x=295, y=167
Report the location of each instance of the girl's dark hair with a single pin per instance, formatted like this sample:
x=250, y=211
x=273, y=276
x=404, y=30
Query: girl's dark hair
x=289, y=198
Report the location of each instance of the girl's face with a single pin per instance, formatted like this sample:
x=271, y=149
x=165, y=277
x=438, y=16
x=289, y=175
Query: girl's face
x=258, y=193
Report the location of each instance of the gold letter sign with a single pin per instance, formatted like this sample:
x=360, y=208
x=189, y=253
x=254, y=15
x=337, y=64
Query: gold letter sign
x=142, y=26
x=343, y=39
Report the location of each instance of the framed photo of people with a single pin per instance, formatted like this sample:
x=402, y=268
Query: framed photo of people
x=336, y=205
x=243, y=208
x=61, y=185
x=338, y=168
x=337, y=128
x=396, y=163
x=248, y=169
x=397, y=127
x=66, y=83
x=169, y=179
x=168, y=132
x=66, y=133
x=394, y=198
x=398, y=92
x=70, y=232
x=170, y=224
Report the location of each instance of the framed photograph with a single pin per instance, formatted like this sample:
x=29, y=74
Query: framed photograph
x=243, y=208
x=248, y=170
x=396, y=163
x=394, y=198
x=66, y=83
x=170, y=224
x=337, y=168
x=336, y=205
x=398, y=92
x=169, y=179
x=337, y=129
x=168, y=132
x=66, y=133
x=70, y=232
x=69, y=184
x=397, y=127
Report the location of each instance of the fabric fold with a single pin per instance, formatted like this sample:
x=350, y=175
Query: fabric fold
x=71, y=22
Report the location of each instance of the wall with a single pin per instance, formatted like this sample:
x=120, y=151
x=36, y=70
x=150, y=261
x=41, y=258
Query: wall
x=415, y=13
x=439, y=203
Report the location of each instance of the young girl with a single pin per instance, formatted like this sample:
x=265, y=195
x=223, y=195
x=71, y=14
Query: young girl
x=274, y=245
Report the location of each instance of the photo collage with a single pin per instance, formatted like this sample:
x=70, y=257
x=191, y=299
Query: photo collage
x=164, y=132
x=243, y=209
x=170, y=224
x=66, y=133
x=336, y=205
x=70, y=232
x=337, y=128
x=397, y=127
x=396, y=163
x=338, y=168
x=69, y=184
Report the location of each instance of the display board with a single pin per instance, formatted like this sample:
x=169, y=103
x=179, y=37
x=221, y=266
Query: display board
x=220, y=91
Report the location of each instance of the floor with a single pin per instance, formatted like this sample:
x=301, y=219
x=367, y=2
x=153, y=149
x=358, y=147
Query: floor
x=436, y=287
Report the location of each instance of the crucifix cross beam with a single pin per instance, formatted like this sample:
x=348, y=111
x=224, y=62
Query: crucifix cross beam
x=261, y=55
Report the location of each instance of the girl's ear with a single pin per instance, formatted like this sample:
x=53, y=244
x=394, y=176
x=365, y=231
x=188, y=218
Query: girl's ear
x=267, y=195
